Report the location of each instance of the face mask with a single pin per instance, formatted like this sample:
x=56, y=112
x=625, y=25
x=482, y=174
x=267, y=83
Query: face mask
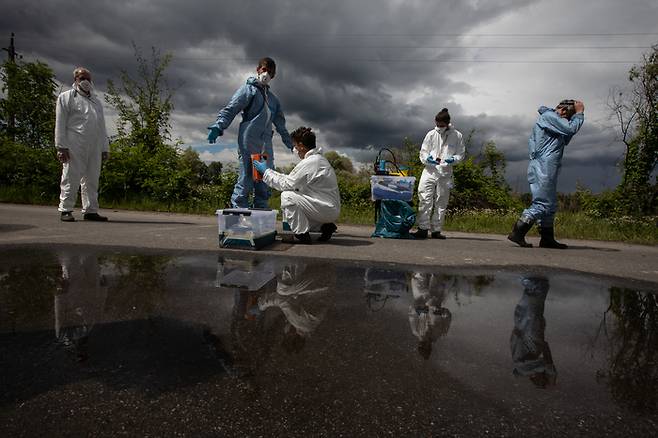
x=264, y=78
x=85, y=85
x=442, y=130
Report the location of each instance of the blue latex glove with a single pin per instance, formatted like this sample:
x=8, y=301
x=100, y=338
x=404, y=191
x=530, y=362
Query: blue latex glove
x=213, y=134
x=450, y=160
x=431, y=160
x=261, y=166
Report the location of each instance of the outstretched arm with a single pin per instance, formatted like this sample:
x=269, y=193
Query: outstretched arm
x=238, y=102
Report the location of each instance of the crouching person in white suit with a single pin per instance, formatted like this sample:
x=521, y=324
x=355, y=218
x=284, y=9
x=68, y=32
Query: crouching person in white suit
x=310, y=200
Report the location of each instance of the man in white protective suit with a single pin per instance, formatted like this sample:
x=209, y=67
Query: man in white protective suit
x=310, y=199
x=82, y=144
x=442, y=148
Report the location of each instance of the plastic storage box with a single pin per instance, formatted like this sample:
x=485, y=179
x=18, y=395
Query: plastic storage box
x=246, y=228
x=399, y=188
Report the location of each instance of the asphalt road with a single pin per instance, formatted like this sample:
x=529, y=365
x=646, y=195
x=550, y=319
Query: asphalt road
x=23, y=224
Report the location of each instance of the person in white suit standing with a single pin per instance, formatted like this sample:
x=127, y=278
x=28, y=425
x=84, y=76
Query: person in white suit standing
x=442, y=148
x=82, y=144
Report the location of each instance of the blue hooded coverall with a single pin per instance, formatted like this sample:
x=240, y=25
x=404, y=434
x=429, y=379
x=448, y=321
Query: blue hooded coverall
x=546, y=146
x=260, y=108
x=530, y=351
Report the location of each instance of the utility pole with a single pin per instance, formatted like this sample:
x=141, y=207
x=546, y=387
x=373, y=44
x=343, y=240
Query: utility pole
x=11, y=50
x=11, y=55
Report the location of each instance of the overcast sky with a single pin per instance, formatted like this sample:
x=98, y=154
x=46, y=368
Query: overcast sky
x=366, y=74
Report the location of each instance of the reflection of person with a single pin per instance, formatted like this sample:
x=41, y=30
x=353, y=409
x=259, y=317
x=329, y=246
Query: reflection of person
x=428, y=319
x=552, y=132
x=260, y=109
x=530, y=352
x=81, y=302
x=303, y=300
x=310, y=197
x=82, y=144
x=442, y=148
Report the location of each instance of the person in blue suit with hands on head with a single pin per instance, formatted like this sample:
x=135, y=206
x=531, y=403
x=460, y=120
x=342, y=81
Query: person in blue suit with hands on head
x=260, y=109
x=553, y=130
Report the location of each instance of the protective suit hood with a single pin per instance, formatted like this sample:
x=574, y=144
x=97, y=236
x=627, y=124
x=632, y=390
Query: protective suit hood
x=256, y=83
x=450, y=127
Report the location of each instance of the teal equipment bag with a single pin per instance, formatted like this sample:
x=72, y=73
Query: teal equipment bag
x=395, y=220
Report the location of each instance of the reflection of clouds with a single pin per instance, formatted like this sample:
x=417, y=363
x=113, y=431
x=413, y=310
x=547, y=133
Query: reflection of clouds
x=530, y=352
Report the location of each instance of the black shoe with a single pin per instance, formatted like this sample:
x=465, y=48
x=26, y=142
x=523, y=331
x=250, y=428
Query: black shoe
x=327, y=231
x=95, y=217
x=420, y=234
x=67, y=216
x=548, y=239
x=304, y=238
x=518, y=233
x=438, y=235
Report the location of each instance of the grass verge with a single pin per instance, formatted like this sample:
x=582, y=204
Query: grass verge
x=567, y=225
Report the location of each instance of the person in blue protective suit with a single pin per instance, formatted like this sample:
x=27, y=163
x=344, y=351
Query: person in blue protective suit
x=552, y=132
x=260, y=109
x=530, y=351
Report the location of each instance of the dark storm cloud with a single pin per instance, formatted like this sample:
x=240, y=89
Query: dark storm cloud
x=346, y=68
x=319, y=40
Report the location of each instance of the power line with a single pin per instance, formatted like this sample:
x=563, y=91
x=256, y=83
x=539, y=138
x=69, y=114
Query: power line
x=476, y=61
x=466, y=35
x=350, y=46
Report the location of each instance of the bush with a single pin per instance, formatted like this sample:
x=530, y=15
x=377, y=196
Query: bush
x=33, y=169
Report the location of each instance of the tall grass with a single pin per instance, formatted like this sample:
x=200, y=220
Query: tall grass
x=567, y=225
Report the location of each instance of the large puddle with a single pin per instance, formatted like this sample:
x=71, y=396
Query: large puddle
x=111, y=342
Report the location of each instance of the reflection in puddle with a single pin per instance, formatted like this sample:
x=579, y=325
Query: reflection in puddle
x=530, y=351
x=629, y=330
x=301, y=331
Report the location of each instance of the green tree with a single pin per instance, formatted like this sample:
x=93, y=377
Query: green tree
x=144, y=104
x=189, y=159
x=339, y=162
x=493, y=162
x=27, y=110
x=636, y=111
x=214, y=172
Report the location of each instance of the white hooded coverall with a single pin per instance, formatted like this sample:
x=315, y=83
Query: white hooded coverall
x=80, y=128
x=309, y=195
x=436, y=180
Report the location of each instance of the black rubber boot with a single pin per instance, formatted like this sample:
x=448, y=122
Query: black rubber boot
x=420, y=234
x=327, y=231
x=94, y=217
x=438, y=235
x=548, y=239
x=304, y=238
x=67, y=216
x=518, y=233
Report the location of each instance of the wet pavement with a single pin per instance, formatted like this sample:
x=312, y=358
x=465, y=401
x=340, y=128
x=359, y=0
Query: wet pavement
x=112, y=342
x=29, y=224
